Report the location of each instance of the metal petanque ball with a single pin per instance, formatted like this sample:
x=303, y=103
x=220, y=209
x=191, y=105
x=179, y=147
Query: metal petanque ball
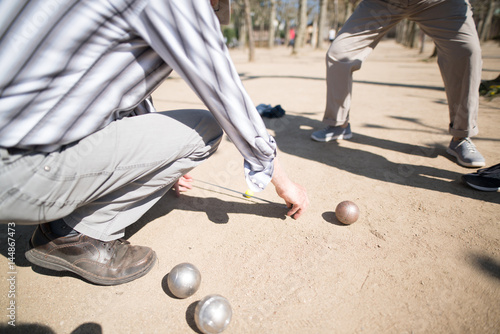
x=347, y=212
x=184, y=280
x=213, y=314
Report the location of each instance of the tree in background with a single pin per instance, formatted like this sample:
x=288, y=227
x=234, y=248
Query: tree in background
x=272, y=20
x=322, y=24
x=487, y=17
x=301, y=31
x=254, y=23
x=249, y=29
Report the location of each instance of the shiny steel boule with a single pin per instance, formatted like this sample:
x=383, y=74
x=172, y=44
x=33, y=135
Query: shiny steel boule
x=213, y=314
x=347, y=212
x=184, y=280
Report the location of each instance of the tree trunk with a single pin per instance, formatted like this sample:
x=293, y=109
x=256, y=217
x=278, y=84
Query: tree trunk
x=322, y=23
x=301, y=31
x=486, y=28
x=336, y=15
x=242, y=41
x=406, y=33
x=411, y=34
x=272, y=19
x=434, y=53
x=348, y=10
x=287, y=35
x=314, y=34
x=248, y=24
x=422, y=42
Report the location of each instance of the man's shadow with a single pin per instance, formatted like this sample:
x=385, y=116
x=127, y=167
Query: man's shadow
x=35, y=328
x=217, y=210
x=292, y=133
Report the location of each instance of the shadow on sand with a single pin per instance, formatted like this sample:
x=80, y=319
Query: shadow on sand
x=291, y=129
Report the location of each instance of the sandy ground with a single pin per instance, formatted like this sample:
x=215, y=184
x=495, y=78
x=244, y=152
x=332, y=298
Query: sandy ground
x=424, y=257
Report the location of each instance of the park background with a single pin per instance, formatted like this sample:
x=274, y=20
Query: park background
x=424, y=257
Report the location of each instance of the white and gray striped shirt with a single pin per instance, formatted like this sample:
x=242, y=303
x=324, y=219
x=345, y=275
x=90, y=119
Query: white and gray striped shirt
x=68, y=68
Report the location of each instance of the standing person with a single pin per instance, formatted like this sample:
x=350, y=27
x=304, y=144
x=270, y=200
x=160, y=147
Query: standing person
x=331, y=34
x=291, y=35
x=82, y=152
x=449, y=23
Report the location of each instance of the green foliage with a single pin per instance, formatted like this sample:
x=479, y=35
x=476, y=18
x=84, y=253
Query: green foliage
x=490, y=88
x=229, y=33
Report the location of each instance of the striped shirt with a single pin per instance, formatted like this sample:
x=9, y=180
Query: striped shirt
x=68, y=68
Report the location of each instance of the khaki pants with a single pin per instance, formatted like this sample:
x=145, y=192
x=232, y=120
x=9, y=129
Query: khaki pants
x=448, y=22
x=108, y=180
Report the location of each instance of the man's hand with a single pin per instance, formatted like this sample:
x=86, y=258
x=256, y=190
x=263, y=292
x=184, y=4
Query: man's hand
x=295, y=195
x=183, y=184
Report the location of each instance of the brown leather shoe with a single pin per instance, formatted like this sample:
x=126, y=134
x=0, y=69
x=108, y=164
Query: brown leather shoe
x=106, y=263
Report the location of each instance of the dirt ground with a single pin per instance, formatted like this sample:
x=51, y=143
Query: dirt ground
x=424, y=257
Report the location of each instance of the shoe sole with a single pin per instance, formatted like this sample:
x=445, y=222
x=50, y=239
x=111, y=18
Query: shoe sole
x=483, y=188
x=478, y=187
x=326, y=140
x=463, y=163
x=55, y=263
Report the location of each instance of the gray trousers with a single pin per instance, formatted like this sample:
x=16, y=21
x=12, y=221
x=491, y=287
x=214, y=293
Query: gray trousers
x=108, y=180
x=448, y=22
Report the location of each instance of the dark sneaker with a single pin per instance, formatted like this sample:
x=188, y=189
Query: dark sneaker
x=466, y=153
x=105, y=263
x=332, y=133
x=486, y=179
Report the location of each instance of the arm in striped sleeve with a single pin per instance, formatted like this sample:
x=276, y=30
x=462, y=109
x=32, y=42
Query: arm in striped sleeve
x=186, y=34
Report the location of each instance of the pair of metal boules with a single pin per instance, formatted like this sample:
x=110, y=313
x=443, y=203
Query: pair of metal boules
x=213, y=313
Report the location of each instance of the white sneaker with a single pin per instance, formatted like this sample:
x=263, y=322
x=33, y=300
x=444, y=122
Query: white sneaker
x=466, y=153
x=332, y=133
